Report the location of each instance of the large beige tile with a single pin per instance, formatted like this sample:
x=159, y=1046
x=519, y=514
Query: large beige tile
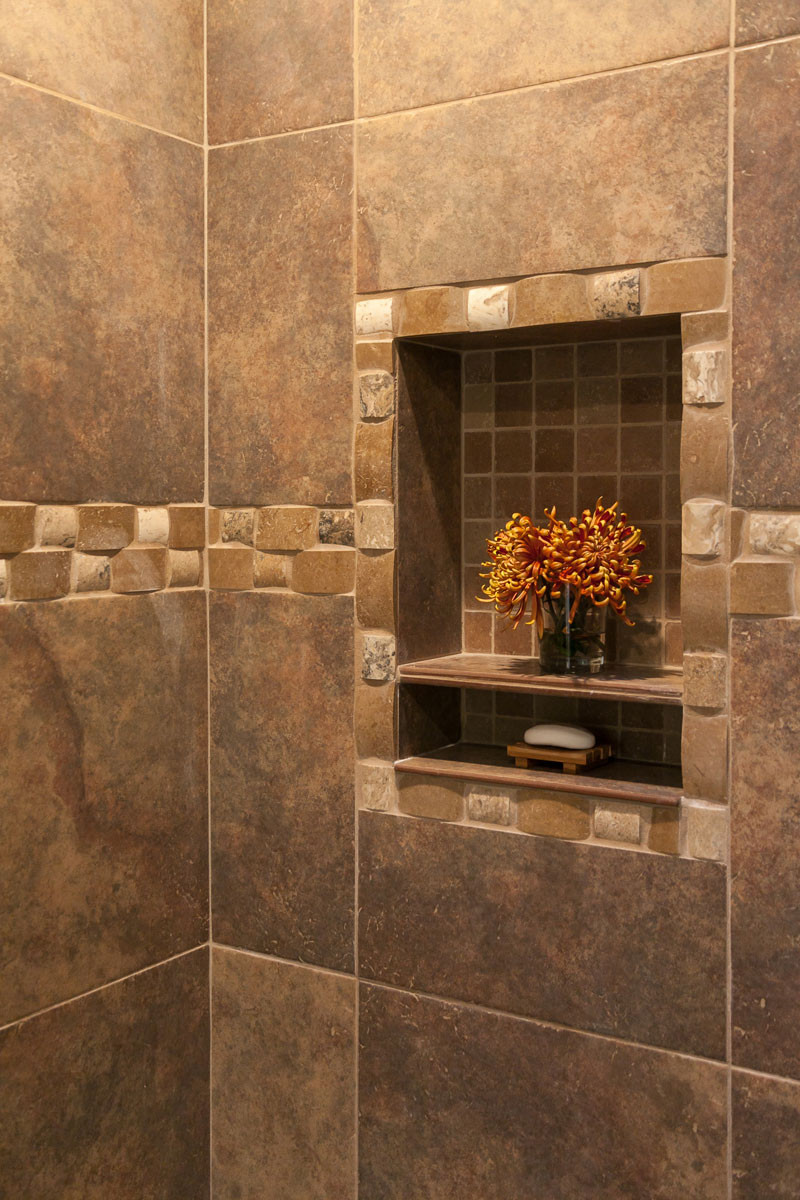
x=280, y=320
x=455, y=48
x=606, y=171
x=101, y=345
x=287, y=64
x=142, y=59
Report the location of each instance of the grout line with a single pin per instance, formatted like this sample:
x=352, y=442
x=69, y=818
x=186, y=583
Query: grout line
x=95, y=108
x=101, y=987
x=776, y=41
x=353, y=286
x=288, y=962
x=285, y=133
x=728, y=943
x=208, y=607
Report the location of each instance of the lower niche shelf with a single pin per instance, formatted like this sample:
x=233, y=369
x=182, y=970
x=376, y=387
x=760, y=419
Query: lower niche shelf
x=639, y=783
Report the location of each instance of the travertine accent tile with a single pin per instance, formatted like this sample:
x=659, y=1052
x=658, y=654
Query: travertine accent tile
x=704, y=679
x=375, y=786
x=704, y=454
x=278, y=67
x=701, y=327
x=3, y=578
x=599, y=930
x=110, y=1093
x=615, y=294
x=280, y=325
x=488, y=805
x=17, y=527
x=766, y=1134
x=554, y=814
x=270, y=570
x=757, y=20
x=288, y=527
x=774, y=533
x=152, y=525
x=141, y=60
x=337, y=527
x=663, y=831
x=92, y=572
x=375, y=591
x=115, y=330
x=704, y=756
x=187, y=527
x=550, y=300
x=455, y=161
x=378, y=657
x=237, y=525
x=766, y=279
x=39, y=574
x=376, y=395
x=704, y=606
x=373, y=461
x=375, y=526
x=282, y=838
x=617, y=823
x=487, y=307
x=375, y=356
x=140, y=569
x=104, y=526
x=283, y=1084
x=104, y=721
x=432, y=310
x=231, y=568
x=374, y=720
x=705, y=377
x=762, y=586
x=374, y=316
x=703, y=528
x=706, y=830
x=325, y=571
x=185, y=568
x=679, y=287
x=56, y=525
x=421, y=796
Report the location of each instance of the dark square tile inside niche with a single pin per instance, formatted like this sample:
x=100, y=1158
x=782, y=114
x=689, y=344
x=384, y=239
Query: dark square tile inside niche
x=478, y=496
x=555, y=450
x=477, y=453
x=513, y=404
x=513, y=451
x=555, y=362
x=642, y=398
x=642, y=447
x=598, y=448
x=642, y=356
x=597, y=401
x=511, y=365
x=512, y=493
x=555, y=402
x=597, y=358
x=478, y=366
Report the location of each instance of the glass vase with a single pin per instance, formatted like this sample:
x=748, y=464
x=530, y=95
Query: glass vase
x=572, y=647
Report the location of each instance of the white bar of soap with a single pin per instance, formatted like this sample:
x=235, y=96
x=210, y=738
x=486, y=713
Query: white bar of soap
x=565, y=737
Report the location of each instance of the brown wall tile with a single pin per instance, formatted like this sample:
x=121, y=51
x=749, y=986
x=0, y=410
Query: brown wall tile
x=283, y=1087
x=456, y=1102
x=766, y=278
x=101, y=223
x=451, y=50
x=280, y=321
x=601, y=939
x=278, y=66
x=282, y=774
x=142, y=59
x=766, y=1135
x=108, y=1095
x=652, y=143
x=765, y=827
x=103, y=789
x=759, y=19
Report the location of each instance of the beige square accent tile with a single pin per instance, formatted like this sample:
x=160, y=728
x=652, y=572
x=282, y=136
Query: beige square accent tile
x=375, y=786
x=92, y=572
x=763, y=586
x=488, y=805
x=140, y=569
x=614, y=294
x=56, y=525
x=286, y=527
x=185, y=568
x=554, y=814
x=704, y=755
x=684, y=286
x=550, y=300
x=378, y=657
x=703, y=529
x=774, y=533
x=237, y=525
x=705, y=680
x=270, y=570
x=152, y=525
x=17, y=527
x=618, y=823
x=420, y=796
x=706, y=831
x=376, y=395
x=705, y=377
x=230, y=568
x=374, y=316
x=375, y=525
x=187, y=526
x=488, y=307
x=702, y=327
x=376, y=355
x=431, y=310
x=3, y=578
x=39, y=574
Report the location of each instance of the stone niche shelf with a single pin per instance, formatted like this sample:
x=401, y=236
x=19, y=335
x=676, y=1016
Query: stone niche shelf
x=639, y=783
x=646, y=685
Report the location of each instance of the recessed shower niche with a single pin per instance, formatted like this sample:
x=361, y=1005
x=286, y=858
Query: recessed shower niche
x=493, y=423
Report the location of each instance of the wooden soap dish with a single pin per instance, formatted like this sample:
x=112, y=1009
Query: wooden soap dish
x=572, y=761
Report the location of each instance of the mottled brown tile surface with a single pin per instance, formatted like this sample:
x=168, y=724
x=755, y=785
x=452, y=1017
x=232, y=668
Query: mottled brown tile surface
x=103, y=791
x=101, y=234
x=765, y=831
x=759, y=19
x=278, y=66
x=766, y=278
x=142, y=59
x=284, y=1081
x=108, y=1095
x=459, y=1103
x=449, y=50
x=606, y=171
x=280, y=320
x=607, y=940
x=766, y=1138
x=282, y=775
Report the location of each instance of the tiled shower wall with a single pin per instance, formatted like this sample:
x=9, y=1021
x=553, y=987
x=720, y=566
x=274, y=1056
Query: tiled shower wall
x=330, y=170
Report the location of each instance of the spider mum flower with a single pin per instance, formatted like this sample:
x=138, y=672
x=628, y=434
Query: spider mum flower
x=515, y=575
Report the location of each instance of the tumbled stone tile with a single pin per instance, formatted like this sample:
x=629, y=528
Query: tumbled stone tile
x=375, y=591
x=288, y=527
x=283, y=1082
x=230, y=568
x=704, y=606
x=187, y=526
x=526, y=147
x=704, y=680
x=374, y=316
x=705, y=377
x=152, y=525
x=617, y=823
x=336, y=527
x=17, y=527
x=140, y=569
x=92, y=572
x=374, y=720
x=704, y=454
x=488, y=805
x=373, y=461
x=704, y=756
x=615, y=294
x=550, y=300
x=766, y=1134
x=375, y=355
x=700, y=327
x=378, y=657
x=56, y=525
x=39, y=574
x=703, y=528
x=324, y=572
x=112, y=1089
x=105, y=526
x=375, y=526
x=774, y=533
x=431, y=310
x=679, y=287
x=421, y=796
x=237, y=525
x=554, y=814
x=761, y=586
x=185, y=568
x=663, y=831
x=375, y=786
x=601, y=954
x=270, y=570
x=376, y=395
x=487, y=307
x=3, y=578
x=706, y=830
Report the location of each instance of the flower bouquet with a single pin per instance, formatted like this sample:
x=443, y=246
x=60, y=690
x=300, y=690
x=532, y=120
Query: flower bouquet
x=570, y=573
